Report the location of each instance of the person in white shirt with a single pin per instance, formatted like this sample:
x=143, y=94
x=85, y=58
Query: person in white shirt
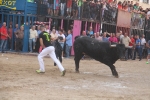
x=143, y=44
x=32, y=38
x=61, y=39
x=98, y=37
x=47, y=29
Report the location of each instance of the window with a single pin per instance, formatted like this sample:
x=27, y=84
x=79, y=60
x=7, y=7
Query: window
x=145, y=1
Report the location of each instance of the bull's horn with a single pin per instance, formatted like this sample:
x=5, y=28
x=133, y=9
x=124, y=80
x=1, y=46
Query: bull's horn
x=113, y=46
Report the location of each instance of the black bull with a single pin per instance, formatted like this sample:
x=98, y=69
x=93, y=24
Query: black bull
x=100, y=51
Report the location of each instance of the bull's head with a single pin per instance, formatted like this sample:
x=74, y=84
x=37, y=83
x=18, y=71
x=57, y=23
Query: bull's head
x=121, y=50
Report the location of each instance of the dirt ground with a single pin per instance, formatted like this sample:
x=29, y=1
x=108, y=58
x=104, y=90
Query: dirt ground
x=19, y=81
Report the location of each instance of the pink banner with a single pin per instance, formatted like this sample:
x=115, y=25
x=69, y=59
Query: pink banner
x=85, y=25
x=76, y=32
x=62, y=23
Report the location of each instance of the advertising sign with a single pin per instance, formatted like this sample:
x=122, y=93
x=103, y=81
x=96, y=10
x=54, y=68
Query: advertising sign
x=9, y=4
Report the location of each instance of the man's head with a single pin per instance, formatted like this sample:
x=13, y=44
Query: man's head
x=104, y=34
x=33, y=27
x=91, y=28
x=4, y=24
x=22, y=28
x=60, y=31
x=69, y=31
x=143, y=36
x=137, y=37
x=16, y=25
x=97, y=34
x=83, y=33
x=125, y=34
x=46, y=27
x=38, y=27
x=131, y=36
x=53, y=31
x=42, y=28
x=120, y=32
x=113, y=35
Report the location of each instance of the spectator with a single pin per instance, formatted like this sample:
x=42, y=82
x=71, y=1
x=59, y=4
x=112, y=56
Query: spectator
x=90, y=32
x=79, y=3
x=104, y=38
x=74, y=8
x=98, y=37
x=121, y=36
x=68, y=44
x=148, y=50
x=62, y=7
x=54, y=36
x=19, y=38
x=113, y=39
x=138, y=48
x=32, y=38
x=84, y=33
x=126, y=40
x=50, y=7
x=69, y=5
x=10, y=32
x=119, y=5
x=38, y=30
x=56, y=7
x=4, y=36
x=16, y=28
x=61, y=39
x=143, y=44
x=47, y=29
x=130, y=50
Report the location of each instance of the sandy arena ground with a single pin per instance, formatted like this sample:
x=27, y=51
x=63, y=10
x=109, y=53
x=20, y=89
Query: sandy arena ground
x=19, y=81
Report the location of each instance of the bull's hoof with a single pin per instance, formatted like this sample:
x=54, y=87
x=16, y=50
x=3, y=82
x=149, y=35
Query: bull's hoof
x=116, y=76
x=77, y=71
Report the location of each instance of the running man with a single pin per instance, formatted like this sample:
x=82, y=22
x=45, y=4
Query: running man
x=45, y=42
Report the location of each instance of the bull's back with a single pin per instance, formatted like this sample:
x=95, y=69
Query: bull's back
x=92, y=47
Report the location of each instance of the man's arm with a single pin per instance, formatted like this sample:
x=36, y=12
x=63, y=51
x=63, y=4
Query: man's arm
x=41, y=43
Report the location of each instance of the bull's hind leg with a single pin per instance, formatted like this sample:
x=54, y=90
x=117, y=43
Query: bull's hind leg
x=77, y=60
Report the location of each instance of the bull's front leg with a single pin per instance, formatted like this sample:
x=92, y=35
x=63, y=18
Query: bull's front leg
x=114, y=72
x=77, y=61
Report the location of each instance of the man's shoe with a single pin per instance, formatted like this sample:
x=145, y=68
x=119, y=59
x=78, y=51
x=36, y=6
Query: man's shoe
x=147, y=62
x=63, y=73
x=39, y=71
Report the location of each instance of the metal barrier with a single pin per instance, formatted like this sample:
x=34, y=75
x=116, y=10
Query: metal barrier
x=137, y=21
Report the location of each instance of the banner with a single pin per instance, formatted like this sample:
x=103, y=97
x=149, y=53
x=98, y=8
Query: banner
x=9, y=4
x=124, y=19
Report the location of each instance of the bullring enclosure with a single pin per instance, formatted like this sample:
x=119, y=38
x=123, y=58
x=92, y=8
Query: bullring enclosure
x=19, y=81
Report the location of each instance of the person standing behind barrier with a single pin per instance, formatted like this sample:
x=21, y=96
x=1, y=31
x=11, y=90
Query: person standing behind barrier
x=10, y=32
x=126, y=40
x=79, y=3
x=62, y=7
x=113, y=39
x=32, y=38
x=50, y=7
x=19, y=38
x=131, y=50
x=16, y=29
x=138, y=48
x=4, y=36
x=56, y=7
x=69, y=5
x=97, y=36
x=61, y=39
x=143, y=44
x=53, y=34
x=148, y=50
x=68, y=44
x=104, y=38
x=45, y=42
